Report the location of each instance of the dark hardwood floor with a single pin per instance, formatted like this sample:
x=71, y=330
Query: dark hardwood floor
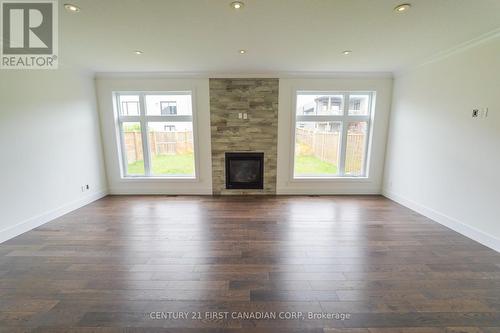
x=122, y=262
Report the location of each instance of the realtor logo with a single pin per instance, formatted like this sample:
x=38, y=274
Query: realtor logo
x=29, y=34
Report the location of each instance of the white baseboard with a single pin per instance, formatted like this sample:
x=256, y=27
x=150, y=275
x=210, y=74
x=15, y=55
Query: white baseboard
x=36, y=221
x=448, y=221
x=166, y=191
x=322, y=191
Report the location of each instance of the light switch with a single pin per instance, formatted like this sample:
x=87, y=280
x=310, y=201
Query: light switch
x=245, y=116
x=240, y=115
x=485, y=112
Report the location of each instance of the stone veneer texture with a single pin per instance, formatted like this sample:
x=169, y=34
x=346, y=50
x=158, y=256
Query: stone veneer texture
x=259, y=99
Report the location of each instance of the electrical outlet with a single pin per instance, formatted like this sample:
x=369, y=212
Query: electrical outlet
x=475, y=113
x=245, y=116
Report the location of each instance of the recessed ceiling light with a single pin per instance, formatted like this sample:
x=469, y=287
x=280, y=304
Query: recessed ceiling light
x=242, y=51
x=346, y=52
x=402, y=8
x=71, y=8
x=237, y=4
x=138, y=52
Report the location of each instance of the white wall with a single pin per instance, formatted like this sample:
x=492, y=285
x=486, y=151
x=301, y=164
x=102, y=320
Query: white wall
x=49, y=147
x=442, y=162
x=373, y=184
x=118, y=185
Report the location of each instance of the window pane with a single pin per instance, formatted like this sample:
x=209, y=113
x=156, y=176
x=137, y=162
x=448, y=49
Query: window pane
x=310, y=105
x=171, y=148
x=355, y=148
x=317, y=148
x=129, y=105
x=132, y=141
x=168, y=105
x=358, y=105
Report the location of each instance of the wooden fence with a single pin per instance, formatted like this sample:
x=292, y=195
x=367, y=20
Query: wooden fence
x=160, y=143
x=355, y=153
x=325, y=146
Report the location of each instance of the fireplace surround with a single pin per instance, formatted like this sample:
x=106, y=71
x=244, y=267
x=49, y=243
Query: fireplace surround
x=230, y=132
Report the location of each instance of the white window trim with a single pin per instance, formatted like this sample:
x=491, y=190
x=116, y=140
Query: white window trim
x=143, y=119
x=345, y=118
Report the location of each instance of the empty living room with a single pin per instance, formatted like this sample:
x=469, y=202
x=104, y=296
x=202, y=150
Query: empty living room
x=252, y=166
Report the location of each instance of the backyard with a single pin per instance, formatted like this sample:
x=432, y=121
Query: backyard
x=317, y=153
x=171, y=152
x=183, y=164
x=310, y=165
x=179, y=165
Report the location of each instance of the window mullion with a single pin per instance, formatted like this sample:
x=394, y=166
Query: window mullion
x=120, y=121
x=343, y=141
x=368, y=134
x=169, y=119
x=129, y=118
x=144, y=136
x=357, y=118
x=318, y=118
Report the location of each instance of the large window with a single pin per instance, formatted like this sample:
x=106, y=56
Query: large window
x=332, y=131
x=156, y=134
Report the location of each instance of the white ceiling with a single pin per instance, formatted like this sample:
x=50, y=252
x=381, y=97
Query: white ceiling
x=280, y=35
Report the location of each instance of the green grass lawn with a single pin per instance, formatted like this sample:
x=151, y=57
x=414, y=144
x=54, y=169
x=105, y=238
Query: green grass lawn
x=182, y=165
x=307, y=165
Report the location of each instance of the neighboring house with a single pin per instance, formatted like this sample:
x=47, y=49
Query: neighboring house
x=168, y=108
x=330, y=105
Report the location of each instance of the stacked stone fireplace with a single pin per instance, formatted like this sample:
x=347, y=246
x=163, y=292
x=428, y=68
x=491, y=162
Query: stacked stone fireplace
x=244, y=120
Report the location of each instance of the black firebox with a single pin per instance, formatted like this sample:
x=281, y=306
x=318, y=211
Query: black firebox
x=244, y=170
